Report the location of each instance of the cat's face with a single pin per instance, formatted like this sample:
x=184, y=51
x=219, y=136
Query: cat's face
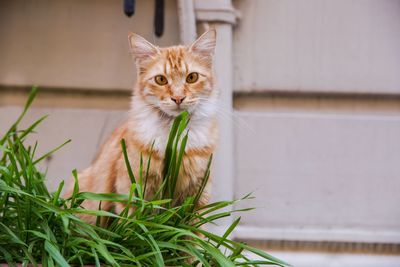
x=175, y=78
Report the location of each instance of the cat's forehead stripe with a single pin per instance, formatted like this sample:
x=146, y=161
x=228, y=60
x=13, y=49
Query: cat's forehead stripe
x=175, y=59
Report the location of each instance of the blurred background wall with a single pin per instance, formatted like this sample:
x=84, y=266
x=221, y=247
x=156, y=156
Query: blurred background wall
x=310, y=108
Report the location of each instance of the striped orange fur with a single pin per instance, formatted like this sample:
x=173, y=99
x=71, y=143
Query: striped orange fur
x=169, y=80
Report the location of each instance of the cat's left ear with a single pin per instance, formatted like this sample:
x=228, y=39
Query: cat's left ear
x=205, y=44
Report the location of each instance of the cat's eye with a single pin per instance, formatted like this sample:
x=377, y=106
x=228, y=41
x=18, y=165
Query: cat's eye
x=161, y=80
x=192, y=77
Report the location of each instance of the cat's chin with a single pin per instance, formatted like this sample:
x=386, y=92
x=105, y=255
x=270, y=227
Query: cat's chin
x=173, y=112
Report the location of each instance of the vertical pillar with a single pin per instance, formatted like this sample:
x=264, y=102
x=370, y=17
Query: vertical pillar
x=187, y=21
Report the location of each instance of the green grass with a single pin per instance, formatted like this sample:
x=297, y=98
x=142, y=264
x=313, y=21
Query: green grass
x=40, y=227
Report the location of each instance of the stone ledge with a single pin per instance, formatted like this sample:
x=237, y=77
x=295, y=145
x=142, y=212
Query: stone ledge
x=325, y=246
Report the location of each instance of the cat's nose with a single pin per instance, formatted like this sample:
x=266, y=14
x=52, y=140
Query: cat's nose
x=178, y=99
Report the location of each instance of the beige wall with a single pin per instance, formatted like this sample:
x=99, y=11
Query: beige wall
x=317, y=103
x=318, y=46
x=317, y=146
x=333, y=176
x=86, y=128
x=74, y=44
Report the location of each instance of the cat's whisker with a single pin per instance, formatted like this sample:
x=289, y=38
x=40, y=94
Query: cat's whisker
x=226, y=114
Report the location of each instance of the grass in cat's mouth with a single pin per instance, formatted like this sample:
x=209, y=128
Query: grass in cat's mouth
x=40, y=227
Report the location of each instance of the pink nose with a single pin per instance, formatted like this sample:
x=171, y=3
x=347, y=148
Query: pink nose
x=178, y=99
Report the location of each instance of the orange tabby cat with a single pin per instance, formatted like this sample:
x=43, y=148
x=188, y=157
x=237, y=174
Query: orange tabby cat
x=169, y=80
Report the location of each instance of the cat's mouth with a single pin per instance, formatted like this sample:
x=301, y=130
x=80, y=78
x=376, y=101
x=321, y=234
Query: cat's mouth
x=173, y=112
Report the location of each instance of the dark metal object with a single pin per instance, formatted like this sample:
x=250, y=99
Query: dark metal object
x=129, y=7
x=159, y=18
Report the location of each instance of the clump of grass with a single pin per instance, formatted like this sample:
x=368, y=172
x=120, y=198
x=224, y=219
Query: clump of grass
x=40, y=227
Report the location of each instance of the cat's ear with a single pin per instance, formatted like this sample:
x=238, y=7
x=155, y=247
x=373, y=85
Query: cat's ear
x=205, y=44
x=141, y=48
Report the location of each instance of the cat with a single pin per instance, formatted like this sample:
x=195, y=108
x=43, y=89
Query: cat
x=169, y=80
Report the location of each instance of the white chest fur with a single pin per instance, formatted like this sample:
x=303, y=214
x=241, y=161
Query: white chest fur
x=150, y=127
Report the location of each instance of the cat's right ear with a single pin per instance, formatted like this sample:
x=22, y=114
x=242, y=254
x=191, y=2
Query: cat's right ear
x=141, y=48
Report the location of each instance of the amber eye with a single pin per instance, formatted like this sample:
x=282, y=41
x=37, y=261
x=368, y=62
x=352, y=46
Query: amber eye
x=161, y=80
x=192, y=77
